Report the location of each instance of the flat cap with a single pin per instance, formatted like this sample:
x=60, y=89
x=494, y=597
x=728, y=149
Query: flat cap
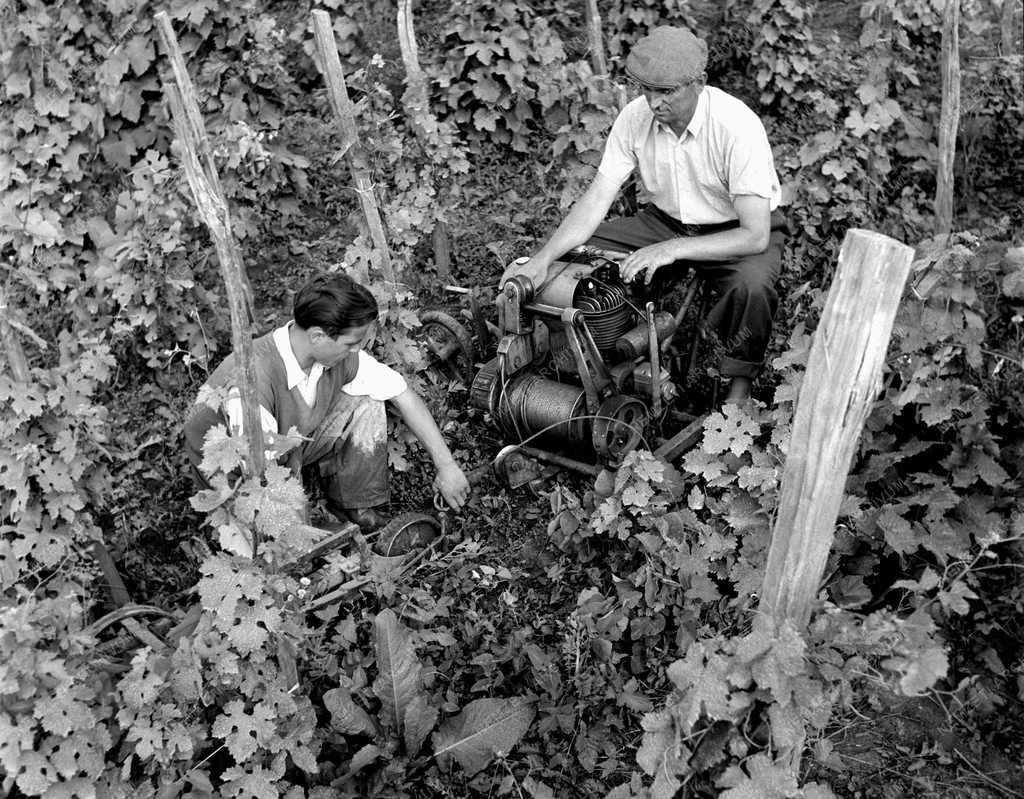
x=667, y=57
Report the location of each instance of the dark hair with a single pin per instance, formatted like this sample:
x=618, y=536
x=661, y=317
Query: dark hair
x=335, y=302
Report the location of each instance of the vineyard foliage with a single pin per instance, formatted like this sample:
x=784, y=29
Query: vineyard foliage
x=631, y=662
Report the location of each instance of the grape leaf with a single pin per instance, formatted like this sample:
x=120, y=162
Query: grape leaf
x=235, y=539
x=257, y=783
x=700, y=463
x=244, y=733
x=659, y=738
x=731, y=430
x=784, y=660
x=702, y=679
x=221, y=452
x=899, y=534
x=763, y=779
x=919, y=669
x=222, y=589
x=1013, y=283
x=61, y=713
x=787, y=726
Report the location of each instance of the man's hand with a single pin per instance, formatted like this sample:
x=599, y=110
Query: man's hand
x=648, y=260
x=534, y=268
x=451, y=483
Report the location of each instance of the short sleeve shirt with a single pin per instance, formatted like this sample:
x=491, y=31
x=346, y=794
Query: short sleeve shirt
x=375, y=380
x=372, y=379
x=723, y=154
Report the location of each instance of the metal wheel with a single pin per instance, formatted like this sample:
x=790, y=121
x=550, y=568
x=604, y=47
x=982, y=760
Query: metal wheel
x=450, y=345
x=406, y=532
x=486, y=388
x=619, y=430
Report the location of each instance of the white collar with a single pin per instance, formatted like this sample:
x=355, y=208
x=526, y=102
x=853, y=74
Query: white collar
x=696, y=121
x=294, y=373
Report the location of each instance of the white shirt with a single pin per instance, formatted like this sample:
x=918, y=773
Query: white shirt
x=723, y=153
x=373, y=379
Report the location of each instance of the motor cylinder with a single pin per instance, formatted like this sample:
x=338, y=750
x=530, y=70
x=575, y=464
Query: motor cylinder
x=606, y=312
x=635, y=343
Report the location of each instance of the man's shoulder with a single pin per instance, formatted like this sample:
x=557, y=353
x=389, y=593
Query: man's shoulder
x=727, y=108
x=635, y=113
x=265, y=351
x=265, y=358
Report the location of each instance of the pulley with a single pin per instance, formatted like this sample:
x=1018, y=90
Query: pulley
x=449, y=344
x=618, y=428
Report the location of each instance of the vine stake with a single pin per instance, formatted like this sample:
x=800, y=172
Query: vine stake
x=200, y=170
x=16, y=360
x=949, y=119
x=417, y=104
x=843, y=377
x=351, y=146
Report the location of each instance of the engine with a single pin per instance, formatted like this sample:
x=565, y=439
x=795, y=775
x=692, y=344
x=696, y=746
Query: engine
x=579, y=362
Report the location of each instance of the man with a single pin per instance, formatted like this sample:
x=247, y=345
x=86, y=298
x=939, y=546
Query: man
x=313, y=374
x=704, y=160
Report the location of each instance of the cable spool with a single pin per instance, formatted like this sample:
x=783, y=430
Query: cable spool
x=605, y=311
x=531, y=403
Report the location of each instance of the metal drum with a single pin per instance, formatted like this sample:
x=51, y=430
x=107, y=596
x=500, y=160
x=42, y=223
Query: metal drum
x=531, y=404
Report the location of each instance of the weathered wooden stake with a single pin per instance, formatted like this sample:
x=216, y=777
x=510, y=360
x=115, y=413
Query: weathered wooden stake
x=1007, y=27
x=16, y=360
x=597, y=56
x=201, y=172
x=949, y=118
x=442, y=251
x=598, y=59
x=416, y=97
x=839, y=387
x=417, y=103
x=351, y=146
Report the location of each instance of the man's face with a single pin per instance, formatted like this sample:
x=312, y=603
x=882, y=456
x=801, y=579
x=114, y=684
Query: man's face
x=674, y=107
x=331, y=351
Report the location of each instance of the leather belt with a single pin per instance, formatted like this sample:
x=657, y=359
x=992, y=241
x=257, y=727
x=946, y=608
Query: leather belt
x=684, y=229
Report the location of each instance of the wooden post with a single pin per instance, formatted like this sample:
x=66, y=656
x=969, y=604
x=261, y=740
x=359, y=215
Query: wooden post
x=1007, y=28
x=597, y=56
x=949, y=118
x=417, y=104
x=879, y=63
x=442, y=251
x=351, y=146
x=16, y=360
x=598, y=60
x=197, y=160
x=839, y=387
x=416, y=97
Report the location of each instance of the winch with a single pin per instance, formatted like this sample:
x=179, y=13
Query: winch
x=578, y=365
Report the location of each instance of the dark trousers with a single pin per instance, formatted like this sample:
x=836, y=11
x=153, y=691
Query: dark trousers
x=747, y=300
x=350, y=450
